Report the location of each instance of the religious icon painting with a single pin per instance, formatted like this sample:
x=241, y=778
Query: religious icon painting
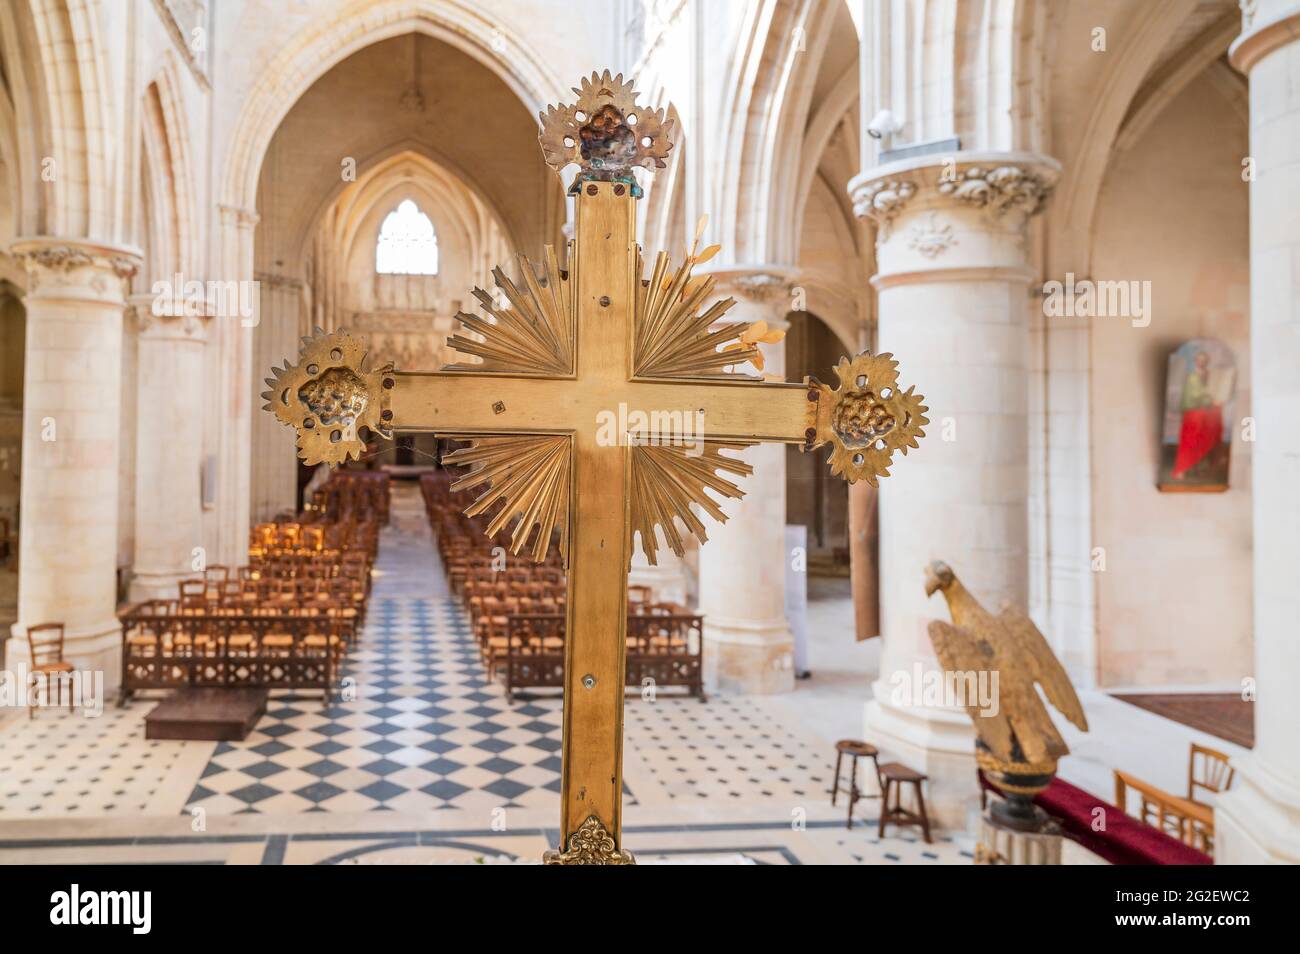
x=1196, y=437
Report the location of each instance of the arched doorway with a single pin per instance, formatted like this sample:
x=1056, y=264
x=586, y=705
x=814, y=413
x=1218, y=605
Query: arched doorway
x=410, y=118
x=815, y=498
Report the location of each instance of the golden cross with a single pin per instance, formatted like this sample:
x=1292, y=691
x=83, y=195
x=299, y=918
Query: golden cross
x=556, y=364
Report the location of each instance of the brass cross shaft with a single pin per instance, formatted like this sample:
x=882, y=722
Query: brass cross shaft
x=603, y=272
x=600, y=409
x=574, y=353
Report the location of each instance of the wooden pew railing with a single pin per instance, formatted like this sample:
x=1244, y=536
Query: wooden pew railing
x=1190, y=822
x=165, y=647
x=663, y=651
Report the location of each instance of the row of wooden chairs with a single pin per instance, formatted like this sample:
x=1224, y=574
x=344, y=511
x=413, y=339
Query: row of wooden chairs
x=286, y=620
x=517, y=608
x=349, y=494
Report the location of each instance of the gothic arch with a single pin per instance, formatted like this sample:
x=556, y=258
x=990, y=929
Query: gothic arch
x=318, y=50
x=1075, y=205
x=173, y=236
x=765, y=104
x=27, y=195
x=81, y=121
x=427, y=169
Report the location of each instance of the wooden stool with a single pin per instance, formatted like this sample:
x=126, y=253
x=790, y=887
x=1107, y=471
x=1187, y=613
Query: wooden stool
x=893, y=775
x=855, y=749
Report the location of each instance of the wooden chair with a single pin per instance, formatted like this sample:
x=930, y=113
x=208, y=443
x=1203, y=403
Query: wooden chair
x=639, y=594
x=214, y=576
x=194, y=596
x=1209, y=769
x=46, y=643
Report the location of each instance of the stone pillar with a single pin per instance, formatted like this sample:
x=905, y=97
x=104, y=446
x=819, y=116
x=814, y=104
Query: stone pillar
x=234, y=376
x=169, y=448
x=953, y=285
x=747, y=642
x=1258, y=820
x=71, y=421
x=274, y=464
x=667, y=578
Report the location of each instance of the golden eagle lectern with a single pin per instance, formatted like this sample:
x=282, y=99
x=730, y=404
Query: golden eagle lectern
x=1018, y=746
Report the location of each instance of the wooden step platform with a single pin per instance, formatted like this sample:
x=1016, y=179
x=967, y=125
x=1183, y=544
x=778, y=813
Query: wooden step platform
x=207, y=715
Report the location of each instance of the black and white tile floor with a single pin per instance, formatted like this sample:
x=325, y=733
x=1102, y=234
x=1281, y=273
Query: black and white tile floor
x=422, y=730
x=421, y=738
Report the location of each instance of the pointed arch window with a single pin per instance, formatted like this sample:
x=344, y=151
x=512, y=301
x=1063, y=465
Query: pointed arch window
x=407, y=243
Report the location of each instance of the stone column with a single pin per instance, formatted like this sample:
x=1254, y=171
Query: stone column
x=1258, y=821
x=747, y=642
x=234, y=396
x=953, y=283
x=667, y=578
x=169, y=446
x=274, y=464
x=71, y=420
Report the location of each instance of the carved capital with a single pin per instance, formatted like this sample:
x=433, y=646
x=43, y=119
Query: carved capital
x=154, y=321
x=1011, y=185
x=58, y=258
x=998, y=189
x=75, y=268
x=591, y=844
x=881, y=200
x=764, y=285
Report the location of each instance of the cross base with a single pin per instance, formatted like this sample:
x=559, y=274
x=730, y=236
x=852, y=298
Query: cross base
x=591, y=844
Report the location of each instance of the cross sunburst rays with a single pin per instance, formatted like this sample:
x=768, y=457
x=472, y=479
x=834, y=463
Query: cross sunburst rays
x=529, y=476
x=533, y=334
x=673, y=337
x=667, y=480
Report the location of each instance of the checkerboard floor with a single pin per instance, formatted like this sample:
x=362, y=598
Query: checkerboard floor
x=69, y=764
x=421, y=742
x=419, y=729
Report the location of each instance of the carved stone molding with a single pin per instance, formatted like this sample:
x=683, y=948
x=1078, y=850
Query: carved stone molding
x=1012, y=185
x=764, y=285
x=59, y=257
x=275, y=280
x=76, y=267
x=1258, y=40
x=591, y=844
x=881, y=201
x=932, y=237
x=998, y=189
x=243, y=218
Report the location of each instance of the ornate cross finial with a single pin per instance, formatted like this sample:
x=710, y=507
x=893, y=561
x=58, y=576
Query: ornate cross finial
x=605, y=132
x=329, y=395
